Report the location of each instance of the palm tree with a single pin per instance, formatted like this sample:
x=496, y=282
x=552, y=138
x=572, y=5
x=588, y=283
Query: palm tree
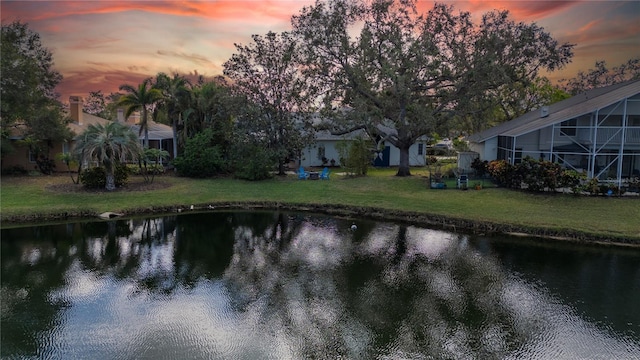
x=140, y=98
x=175, y=98
x=108, y=144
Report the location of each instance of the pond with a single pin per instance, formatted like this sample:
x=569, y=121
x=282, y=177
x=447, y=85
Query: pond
x=278, y=285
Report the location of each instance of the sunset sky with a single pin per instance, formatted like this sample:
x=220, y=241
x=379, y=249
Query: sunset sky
x=99, y=45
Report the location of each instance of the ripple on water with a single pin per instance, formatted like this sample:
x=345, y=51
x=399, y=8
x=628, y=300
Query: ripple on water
x=385, y=291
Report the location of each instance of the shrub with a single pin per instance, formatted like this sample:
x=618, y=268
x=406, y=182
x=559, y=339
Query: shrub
x=610, y=189
x=201, y=158
x=572, y=179
x=45, y=165
x=538, y=175
x=438, y=151
x=96, y=177
x=253, y=162
x=541, y=175
x=592, y=186
x=480, y=167
x=460, y=145
x=156, y=169
x=355, y=156
x=15, y=170
x=634, y=184
x=502, y=172
x=431, y=160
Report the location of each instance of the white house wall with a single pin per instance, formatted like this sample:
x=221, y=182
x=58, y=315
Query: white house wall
x=488, y=149
x=415, y=159
x=310, y=154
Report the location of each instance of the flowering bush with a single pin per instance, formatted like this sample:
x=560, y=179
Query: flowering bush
x=501, y=171
x=535, y=175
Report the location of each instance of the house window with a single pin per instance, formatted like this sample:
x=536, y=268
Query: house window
x=420, y=149
x=568, y=128
x=32, y=156
x=65, y=148
x=321, y=152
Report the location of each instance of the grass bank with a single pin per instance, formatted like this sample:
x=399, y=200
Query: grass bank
x=379, y=195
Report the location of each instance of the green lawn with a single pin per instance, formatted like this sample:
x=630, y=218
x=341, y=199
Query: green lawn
x=599, y=216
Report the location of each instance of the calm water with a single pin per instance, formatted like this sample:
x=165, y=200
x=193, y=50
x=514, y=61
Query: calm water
x=268, y=285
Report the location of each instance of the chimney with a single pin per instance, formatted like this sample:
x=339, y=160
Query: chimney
x=120, y=117
x=75, y=105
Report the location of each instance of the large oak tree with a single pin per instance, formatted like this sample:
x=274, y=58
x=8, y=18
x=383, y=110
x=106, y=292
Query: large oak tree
x=401, y=74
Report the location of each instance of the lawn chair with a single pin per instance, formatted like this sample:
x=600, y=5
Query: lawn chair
x=302, y=175
x=325, y=174
x=463, y=182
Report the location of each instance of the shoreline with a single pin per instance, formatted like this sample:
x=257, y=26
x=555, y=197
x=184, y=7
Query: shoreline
x=378, y=214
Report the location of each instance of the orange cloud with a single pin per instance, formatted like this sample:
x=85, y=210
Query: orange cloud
x=82, y=81
x=605, y=33
x=214, y=10
x=194, y=58
x=101, y=76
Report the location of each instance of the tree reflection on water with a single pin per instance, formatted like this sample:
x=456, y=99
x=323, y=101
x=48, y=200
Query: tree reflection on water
x=283, y=285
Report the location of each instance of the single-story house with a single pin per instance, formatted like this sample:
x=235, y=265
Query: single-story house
x=596, y=132
x=324, y=151
x=160, y=136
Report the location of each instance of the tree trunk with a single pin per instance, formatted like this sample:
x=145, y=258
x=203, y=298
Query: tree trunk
x=174, y=127
x=281, y=168
x=111, y=181
x=144, y=124
x=403, y=168
x=146, y=137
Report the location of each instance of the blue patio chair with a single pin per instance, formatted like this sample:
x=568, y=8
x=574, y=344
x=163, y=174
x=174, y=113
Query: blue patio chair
x=302, y=175
x=325, y=174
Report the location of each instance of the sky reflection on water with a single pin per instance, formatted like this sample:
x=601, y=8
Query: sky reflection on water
x=289, y=286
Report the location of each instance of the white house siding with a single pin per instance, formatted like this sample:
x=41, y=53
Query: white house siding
x=488, y=149
x=415, y=159
x=311, y=156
